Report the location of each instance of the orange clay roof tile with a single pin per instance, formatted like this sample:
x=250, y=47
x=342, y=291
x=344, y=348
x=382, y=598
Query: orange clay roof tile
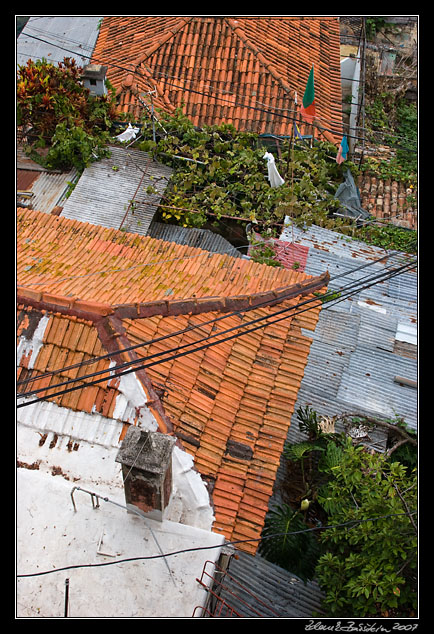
x=230, y=405
x=226, y=69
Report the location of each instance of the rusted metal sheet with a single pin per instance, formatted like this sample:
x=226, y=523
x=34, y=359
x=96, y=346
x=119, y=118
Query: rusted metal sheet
x=49, y=188
x=25, y=179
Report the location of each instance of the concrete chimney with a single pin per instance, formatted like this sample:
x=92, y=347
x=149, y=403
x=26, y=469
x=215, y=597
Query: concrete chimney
x=93, y=78
x=146, y=459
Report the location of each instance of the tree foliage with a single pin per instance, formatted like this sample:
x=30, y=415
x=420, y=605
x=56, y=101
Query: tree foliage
x=297, y=552
x=220, y=173
x=225, y=175
x=56, y=111
x=367, y=567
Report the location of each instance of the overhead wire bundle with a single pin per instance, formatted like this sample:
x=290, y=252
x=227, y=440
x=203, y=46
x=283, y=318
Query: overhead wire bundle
x=275, y=111
x=329, y=298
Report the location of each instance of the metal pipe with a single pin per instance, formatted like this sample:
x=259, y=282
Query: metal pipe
x=66, y=596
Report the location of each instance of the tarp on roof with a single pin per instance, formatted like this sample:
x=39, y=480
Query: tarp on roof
x=349, y=196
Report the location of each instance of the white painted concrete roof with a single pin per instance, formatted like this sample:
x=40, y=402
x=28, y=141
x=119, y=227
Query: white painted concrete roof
x=51, y=534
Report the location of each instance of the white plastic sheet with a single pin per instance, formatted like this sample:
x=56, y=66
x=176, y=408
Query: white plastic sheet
x=273, y=175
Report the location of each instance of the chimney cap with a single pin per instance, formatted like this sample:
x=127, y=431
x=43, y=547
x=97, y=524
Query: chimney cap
x=146, y=450
x=94, y=71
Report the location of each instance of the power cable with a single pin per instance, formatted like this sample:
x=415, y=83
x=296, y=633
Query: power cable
x=384, y=273
x=133, y=362
x=351, y=524
x=135, y=72
x=189, y=328
x=181, y=354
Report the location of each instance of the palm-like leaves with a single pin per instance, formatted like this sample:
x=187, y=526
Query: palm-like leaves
x=286, y=543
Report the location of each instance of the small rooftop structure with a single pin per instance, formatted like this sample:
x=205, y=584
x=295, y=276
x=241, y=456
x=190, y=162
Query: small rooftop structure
x=93, y=78
x=146, y=459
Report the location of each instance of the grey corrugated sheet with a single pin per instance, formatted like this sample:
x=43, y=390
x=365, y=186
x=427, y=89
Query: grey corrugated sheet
x=50, y=188
x=106, y=188
x=366, y=344
x=280, y=592
x=352, y=364
x=199, y=238
x=369, y=384
x=58, y=36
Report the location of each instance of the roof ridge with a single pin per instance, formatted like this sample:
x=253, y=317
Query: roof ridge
x=161, y=94
x=171, y=32
x=234, y=24
x=94, y=311
x=43, y=300
x=220, y=303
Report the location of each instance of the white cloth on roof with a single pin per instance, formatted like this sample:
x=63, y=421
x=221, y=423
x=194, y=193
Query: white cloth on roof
x=128, y=134
x=273, y=175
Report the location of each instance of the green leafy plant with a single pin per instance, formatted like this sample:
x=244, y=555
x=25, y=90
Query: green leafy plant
x=390, y=237
x=264, y=253
x=364, y=506
x=373, y=25
x=397, y=121
x=308, y=422
x=74, y=147
x=369, y=568
x=56, y=111
x=220, y=172
x=298, y=552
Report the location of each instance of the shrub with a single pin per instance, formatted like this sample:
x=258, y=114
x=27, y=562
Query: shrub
x=369, y=568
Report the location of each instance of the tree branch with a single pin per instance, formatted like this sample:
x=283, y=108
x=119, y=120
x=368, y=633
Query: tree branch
x=405, y=506
x=394, y=428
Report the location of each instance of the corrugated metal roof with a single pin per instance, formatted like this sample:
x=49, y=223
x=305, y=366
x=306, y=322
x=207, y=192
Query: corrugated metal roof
x=57, y=36
x=354, y=359
x=49, y=188
x=280, y=591
x=106, y=188
x=192, y=237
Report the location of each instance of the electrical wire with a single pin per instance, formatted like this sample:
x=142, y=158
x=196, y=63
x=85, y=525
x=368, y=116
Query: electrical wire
x=135, y=72
x=189, y=328
x=351, y=524
x=197, y=349
x=277, y=300
x=140, y=359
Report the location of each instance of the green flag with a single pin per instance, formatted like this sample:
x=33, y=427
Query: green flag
x=307, y=110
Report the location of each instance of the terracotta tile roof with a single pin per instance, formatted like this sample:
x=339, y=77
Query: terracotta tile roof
x=389, y=200
x=229, y=405
x=238, y=70
x=66, y=341
x=87, y=262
